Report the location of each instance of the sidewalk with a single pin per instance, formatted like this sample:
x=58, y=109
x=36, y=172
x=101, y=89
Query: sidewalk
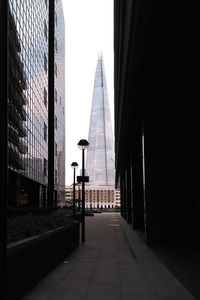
x=113, y=264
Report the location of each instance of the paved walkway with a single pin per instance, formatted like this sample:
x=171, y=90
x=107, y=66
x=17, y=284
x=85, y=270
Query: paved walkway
x=113, y=264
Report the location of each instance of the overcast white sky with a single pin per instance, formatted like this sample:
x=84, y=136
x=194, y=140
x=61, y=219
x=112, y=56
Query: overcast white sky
x=88, y=30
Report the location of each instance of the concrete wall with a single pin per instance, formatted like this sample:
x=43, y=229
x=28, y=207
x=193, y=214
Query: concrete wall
x=28, y=261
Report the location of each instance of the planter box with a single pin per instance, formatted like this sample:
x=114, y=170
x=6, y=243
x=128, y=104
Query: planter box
x=29, y=260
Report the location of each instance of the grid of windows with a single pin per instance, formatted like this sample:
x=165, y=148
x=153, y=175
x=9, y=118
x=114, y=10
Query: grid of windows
x=28, y=91
x=105, y=198
x=59, y=46
x=29, y=22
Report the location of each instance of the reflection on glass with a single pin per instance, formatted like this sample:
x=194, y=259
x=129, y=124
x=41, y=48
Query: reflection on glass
x=28, y=93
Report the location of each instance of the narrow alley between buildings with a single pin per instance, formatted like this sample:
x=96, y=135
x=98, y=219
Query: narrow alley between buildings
x=113, y=264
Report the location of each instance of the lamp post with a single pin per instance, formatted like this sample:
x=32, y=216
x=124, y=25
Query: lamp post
x=74, y=165
x=79, y=198
x=83, y=144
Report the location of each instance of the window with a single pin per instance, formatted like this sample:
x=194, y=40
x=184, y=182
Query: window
x=45, y=97
x=56, y=149
x=55, y=95
x=56, y=122
x=45, y=167
x=56, y=176
x=45, y=63
x=56, y=20
x=56, y=45
x=55, y=71
x=45, y=29
x=45, y=131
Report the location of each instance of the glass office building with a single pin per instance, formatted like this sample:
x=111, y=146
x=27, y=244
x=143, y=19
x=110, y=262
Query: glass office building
x=100, y=153
x=59, y=96
x=28, y=102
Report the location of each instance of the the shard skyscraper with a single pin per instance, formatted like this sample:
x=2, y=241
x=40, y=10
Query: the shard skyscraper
x=100, y=153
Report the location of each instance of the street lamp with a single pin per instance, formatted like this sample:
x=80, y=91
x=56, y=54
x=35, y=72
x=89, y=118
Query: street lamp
x=74, y=165
x=83, y=144
x=79, y=198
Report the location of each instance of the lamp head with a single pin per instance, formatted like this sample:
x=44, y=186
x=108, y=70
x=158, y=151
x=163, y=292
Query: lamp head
x=83, y=144
x=74, y=165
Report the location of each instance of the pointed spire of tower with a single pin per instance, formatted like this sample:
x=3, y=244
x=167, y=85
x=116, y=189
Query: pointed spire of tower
x=100, y=55
x=100, y=154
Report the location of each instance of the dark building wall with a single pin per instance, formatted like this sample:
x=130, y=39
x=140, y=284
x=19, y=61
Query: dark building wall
x=4, y=138
x=156, y=140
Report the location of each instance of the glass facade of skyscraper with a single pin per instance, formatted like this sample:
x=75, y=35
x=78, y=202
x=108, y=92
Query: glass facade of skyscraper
x=100, y=153
x=28, y=102
x=59, y=71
